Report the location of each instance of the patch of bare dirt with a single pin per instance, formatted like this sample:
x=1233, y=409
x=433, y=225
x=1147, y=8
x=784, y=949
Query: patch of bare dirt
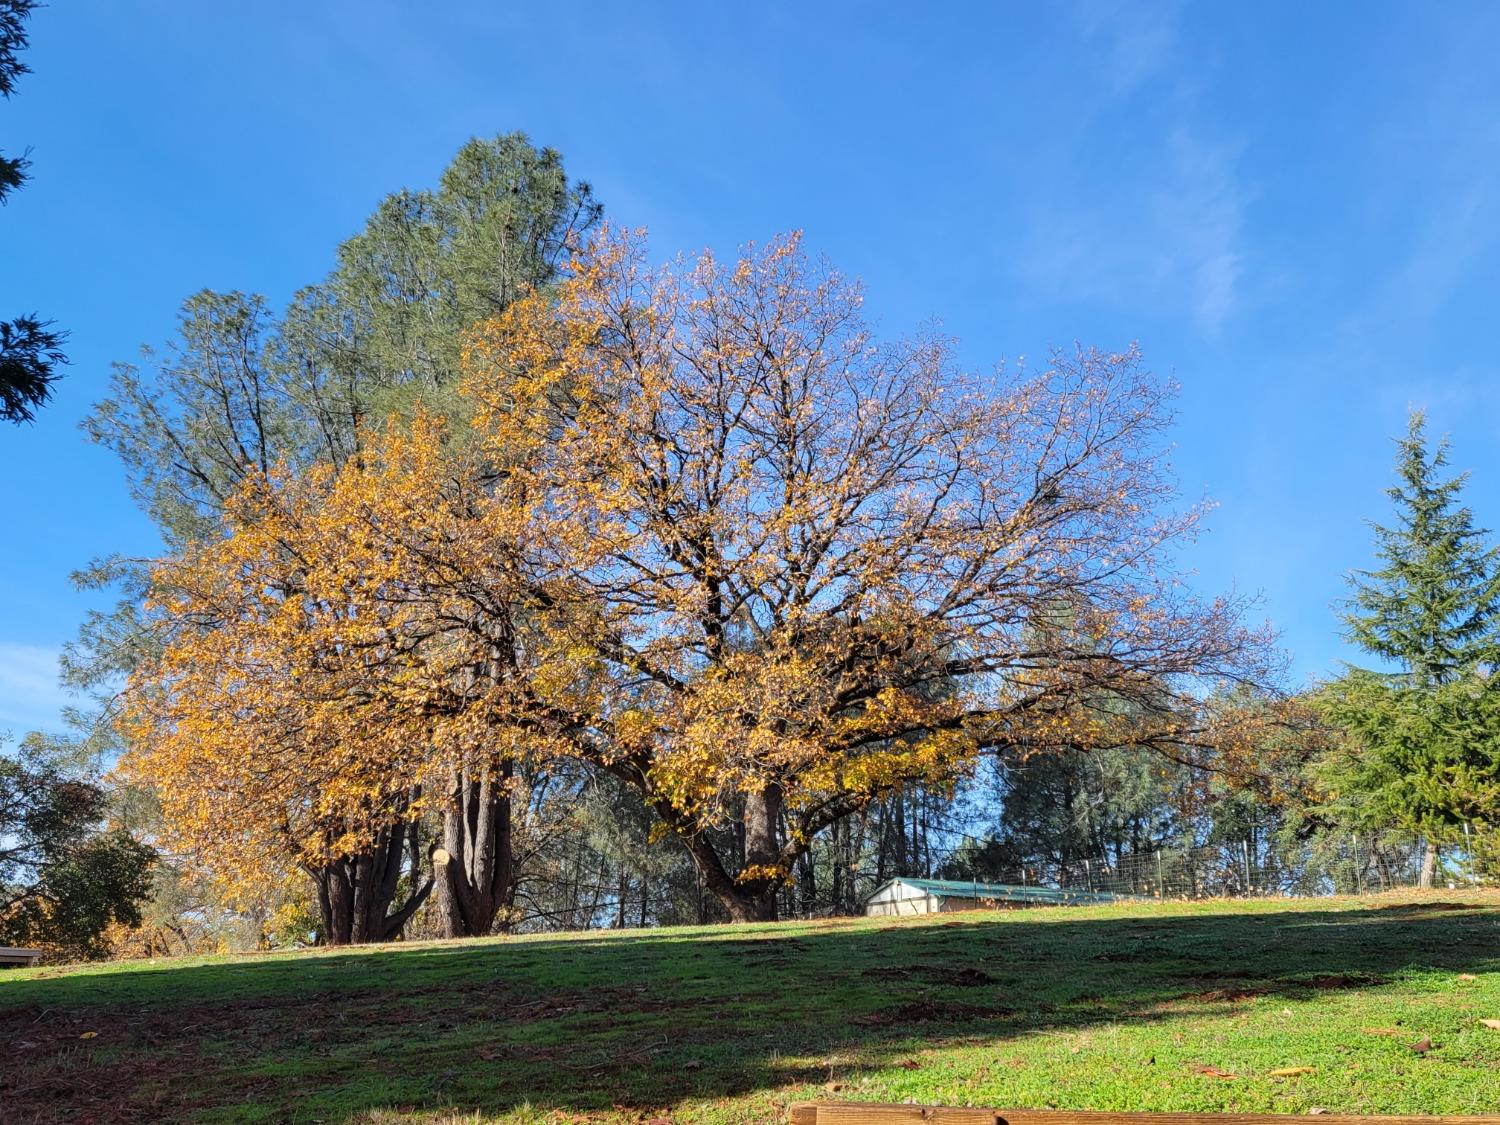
x=961, y=976
x=928, y=1010
x=1225, y=995
x=1335, y=981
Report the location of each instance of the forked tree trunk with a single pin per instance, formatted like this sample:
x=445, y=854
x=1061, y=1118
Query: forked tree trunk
x=746, y=897
x=356, y=894
x=475, y=867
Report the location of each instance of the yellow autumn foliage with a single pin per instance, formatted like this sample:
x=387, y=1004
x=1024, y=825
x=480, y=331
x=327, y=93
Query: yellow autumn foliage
x=711, y=535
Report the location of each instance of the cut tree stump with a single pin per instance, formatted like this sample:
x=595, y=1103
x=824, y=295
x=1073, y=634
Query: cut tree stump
x=872, y=1113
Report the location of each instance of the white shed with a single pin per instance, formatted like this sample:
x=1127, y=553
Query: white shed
x=902, y=896
x=938, y=896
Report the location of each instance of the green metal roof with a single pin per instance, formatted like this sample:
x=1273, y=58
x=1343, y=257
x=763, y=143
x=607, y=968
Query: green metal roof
x=1006, y=892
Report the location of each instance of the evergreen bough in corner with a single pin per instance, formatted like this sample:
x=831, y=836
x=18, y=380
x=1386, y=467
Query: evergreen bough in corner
x=30, y=351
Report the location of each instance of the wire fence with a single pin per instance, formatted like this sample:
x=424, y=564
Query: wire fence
x=1338, y=864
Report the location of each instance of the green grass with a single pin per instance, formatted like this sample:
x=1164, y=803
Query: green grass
x=1122, y=1007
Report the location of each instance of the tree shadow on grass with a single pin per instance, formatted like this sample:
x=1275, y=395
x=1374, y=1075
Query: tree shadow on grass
x=651, y=1018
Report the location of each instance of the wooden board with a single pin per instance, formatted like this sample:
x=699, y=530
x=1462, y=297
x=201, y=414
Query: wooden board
x=9, y=955
x=872, y=1113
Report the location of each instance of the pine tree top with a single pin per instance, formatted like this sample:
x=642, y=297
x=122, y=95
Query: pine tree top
x=1433, y=605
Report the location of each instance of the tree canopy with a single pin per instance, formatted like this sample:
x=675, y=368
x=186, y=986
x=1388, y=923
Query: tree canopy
x=1433, y=606
x=711, y=536
x=240, y=389
x=1422, y=745
x=64, y=877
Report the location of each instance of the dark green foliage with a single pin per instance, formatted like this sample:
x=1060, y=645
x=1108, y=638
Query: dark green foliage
x=103, y=879
x=30, y=355
x=653, y=879
x=1427, y=759
x=240, y=388
x=30, y=351
x=210, y=410
x=13, y=15
x=12, y=173
x=1059, y=809
x=62, y=879
x=1422, y=745
x=1431, y=606
x=431, y=264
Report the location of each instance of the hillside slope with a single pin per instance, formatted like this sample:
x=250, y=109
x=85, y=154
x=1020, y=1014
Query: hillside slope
x=1142, y=1007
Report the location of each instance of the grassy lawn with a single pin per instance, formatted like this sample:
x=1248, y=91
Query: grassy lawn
x=1148, y=1007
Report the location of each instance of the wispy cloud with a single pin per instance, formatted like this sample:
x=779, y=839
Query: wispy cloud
x=1173, y=240
x=1201, y=214
x=30, y=696
x=1158, y=227
x=1138, y=40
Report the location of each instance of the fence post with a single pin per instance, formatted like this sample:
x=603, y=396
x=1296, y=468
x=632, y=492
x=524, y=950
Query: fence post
x=1161, y=880
x=1249, y=887
x=1469, y=851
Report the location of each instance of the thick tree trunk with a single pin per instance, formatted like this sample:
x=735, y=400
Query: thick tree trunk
x=335, y=903
x=745, y=900
x=475, y=865
x=356, y=893
x=757, y=907
x=754, y=896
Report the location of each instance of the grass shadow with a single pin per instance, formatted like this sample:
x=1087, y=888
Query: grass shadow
x=607, y=1023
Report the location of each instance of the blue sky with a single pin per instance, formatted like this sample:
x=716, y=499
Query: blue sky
x=1292, y=207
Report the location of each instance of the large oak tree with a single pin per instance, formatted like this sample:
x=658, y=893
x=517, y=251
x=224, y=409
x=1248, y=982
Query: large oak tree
x=714, y=537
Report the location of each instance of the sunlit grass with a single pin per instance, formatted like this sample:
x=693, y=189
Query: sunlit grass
x=1141, y=1007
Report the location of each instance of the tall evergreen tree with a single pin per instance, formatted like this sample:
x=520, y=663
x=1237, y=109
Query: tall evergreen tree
x=1432, y=607
x=1423, y=745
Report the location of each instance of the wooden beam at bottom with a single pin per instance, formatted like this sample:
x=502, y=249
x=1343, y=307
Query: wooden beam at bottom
x=873, y=1113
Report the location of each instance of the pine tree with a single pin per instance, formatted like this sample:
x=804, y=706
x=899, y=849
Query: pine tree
x=1423, y=742
x=1433, y=607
